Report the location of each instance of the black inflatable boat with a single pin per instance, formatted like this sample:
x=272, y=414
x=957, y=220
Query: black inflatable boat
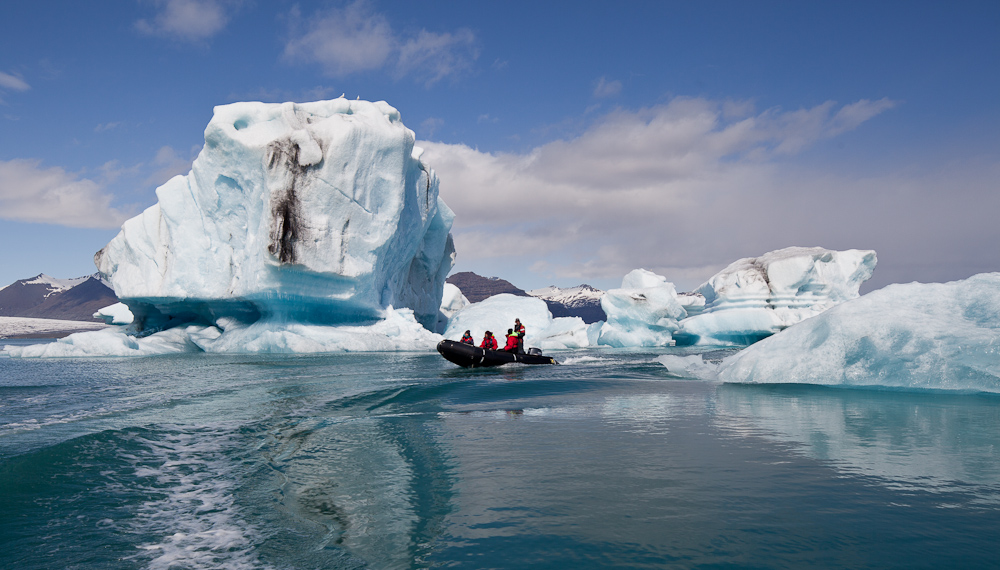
x=472, y=357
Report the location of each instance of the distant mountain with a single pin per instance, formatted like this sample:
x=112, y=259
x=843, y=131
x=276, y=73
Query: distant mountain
x=44, y=297
x=476, y=287
x=582, y=301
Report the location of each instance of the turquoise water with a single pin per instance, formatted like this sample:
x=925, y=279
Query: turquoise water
x=406, y=461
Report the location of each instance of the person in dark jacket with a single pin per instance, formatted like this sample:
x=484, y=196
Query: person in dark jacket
x=489, y=341
x=519, y=331
x=467, y=338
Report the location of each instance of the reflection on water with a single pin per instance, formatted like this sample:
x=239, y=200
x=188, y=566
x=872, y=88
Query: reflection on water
x=903, y=438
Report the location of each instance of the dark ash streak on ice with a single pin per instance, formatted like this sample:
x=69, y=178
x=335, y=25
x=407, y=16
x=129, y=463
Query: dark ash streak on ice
x=283, y=164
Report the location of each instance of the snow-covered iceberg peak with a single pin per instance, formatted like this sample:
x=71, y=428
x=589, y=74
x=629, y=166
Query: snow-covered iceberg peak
x=758, y=296
x=316, y=212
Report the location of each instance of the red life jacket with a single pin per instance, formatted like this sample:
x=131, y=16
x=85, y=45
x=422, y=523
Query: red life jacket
x=512, y=342
x=489, y=342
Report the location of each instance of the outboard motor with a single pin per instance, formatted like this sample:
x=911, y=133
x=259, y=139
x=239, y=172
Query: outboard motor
x=535, y=351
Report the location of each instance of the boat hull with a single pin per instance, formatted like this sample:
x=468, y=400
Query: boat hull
x=470, y=356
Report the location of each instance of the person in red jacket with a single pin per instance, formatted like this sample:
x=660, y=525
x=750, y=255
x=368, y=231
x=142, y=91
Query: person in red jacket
x=489, y=341
x=467, y=338
x=513, y=341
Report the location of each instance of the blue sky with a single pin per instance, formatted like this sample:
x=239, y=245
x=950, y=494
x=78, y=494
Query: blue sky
x=574, y=144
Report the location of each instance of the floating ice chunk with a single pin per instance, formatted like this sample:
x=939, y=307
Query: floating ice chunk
x=113, y=341
x=934, y=336
x=644, y=312
x=452, y=301
x=316, y=212
x=756, y=297
x=693, y=366
x=497, y=314
x=117, y=314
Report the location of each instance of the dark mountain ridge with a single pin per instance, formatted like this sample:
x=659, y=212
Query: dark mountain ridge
x=43, y=297
x=476, y=287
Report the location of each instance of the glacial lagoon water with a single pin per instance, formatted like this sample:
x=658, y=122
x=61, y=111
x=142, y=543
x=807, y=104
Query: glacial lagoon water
x=406, y=461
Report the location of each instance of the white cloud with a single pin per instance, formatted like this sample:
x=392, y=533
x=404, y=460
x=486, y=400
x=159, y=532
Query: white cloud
x=850, y=116
x=343, y=41
x=607, y=88
x=31, y=193
x=432, y=57
x=188, y=20
x=13, y=82
x=687, y=187
x=356, y=39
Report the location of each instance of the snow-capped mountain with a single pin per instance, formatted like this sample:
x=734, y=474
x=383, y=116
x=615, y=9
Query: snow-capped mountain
x=578, y=296
x=49, y=298
x=581, y=301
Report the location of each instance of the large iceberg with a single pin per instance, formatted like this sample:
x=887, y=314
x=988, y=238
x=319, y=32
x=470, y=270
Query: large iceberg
x=319, y=213
x=934, y=336
x=756, y=297
x=497, y=314
x=298, y=229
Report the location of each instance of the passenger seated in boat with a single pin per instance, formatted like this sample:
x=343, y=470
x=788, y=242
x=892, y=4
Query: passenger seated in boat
x=467, y=338
x=489, y=341
x=513, y=341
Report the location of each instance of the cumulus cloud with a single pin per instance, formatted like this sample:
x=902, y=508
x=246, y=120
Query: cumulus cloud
x=188, y=20
x=356, y=38
x=686, y=187
x=32, y=193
